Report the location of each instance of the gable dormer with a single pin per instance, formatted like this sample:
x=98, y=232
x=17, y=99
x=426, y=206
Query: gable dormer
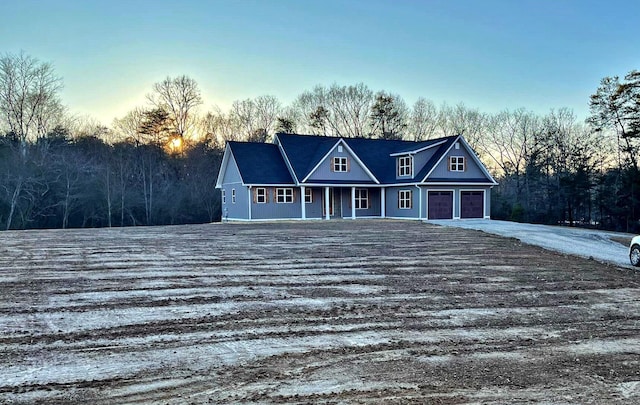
x=340, y=164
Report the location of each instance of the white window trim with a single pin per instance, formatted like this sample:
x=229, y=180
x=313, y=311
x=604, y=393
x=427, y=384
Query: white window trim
x=459, y=163
x=265, y=196
x=233, y=196
x=286, y=194
x=359, y=198
x=405, y=199
x=339, y=163
x=310, y=195
x=224, y=196
x=408, y=167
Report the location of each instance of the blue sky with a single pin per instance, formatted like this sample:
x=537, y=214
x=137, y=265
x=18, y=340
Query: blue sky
x=488, y=54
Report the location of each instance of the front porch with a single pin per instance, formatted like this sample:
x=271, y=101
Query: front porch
x=352, y=202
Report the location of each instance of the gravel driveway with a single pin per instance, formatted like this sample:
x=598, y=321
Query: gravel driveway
x=576, y=241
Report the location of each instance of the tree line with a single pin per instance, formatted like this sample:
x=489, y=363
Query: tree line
x=158, y=163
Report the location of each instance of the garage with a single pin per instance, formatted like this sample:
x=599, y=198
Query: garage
x=440, y=204
x=471, y=204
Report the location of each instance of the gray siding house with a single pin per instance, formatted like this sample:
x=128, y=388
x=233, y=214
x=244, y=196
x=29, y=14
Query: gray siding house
x=319, y=177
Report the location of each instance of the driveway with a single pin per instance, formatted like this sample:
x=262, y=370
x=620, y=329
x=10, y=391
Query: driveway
x=575, y=241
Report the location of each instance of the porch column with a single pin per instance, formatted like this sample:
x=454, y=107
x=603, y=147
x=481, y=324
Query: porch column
x=303, y=207
x=419, y=202
x=383, y=202
x=326, y=203
x=250, y=199
x=353, y=203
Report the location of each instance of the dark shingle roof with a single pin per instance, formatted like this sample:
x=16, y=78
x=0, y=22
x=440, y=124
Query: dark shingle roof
x=260, y=163
x=375, y=154
x=305, y=151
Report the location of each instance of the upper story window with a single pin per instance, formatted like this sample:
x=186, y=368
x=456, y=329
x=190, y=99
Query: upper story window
x=284, y=195
x=340, y=164
x=261, y=195
x=362, y=198
x=308, y=195
x=456, y=163
x=405, y=166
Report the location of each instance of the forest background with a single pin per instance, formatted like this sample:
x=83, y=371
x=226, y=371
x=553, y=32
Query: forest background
x=158, y=164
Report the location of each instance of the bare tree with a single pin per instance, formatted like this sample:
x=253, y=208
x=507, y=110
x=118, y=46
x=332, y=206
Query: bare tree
x=335, y=111
x=423, y=121
x=29, y=103
x=179, y=97
x=388, y=116
x=255, y=119
x=460, y=120
x=127, y=128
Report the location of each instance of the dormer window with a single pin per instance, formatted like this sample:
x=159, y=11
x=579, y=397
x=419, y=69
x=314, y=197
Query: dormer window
x=456, y=163
x=405, y=166
x=340, y=164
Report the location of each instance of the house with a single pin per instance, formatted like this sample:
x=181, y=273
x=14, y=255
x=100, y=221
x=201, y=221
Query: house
x=319, y=177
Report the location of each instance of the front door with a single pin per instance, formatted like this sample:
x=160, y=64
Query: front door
x=335, y=203
x=324, y=204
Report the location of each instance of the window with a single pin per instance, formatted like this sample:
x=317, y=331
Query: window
x=405, y=199
x=308, y=195
x=362, y=198
x=224, y=196
x=456, y=163
x=405, y=166
x=284, y=195
x=340, y=164
x=233, y=195
x=261, y=195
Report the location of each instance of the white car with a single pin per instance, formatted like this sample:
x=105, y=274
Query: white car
x=634, y=251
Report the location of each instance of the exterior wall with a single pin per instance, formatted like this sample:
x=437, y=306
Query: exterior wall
x=323, y=171
x=239, y=209
x=274, y=210
x=472, y=171
x=456, y=198
x=314, y=209
x=391, y=202
x=420, y=159
x=374, y=203
x=233, y=181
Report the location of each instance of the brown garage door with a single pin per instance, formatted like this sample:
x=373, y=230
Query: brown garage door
x=471, y=204
x=440, y=204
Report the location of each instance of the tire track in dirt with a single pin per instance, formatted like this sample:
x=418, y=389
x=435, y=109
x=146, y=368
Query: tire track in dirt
x=363, y=312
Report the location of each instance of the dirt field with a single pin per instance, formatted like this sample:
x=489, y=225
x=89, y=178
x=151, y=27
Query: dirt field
x=322, y=312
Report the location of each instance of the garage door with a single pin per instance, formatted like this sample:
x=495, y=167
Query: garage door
x=472, y=204
x=440, y=204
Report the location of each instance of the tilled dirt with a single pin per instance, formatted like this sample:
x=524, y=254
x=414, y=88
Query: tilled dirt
x=315, y=312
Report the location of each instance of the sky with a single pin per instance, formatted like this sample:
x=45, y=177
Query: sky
x=491, y=55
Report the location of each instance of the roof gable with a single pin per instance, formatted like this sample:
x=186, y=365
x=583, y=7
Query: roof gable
x=356, y=172
x=437, y=169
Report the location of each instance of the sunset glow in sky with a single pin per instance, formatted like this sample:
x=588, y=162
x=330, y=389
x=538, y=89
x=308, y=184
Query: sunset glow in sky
x=488, y=54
